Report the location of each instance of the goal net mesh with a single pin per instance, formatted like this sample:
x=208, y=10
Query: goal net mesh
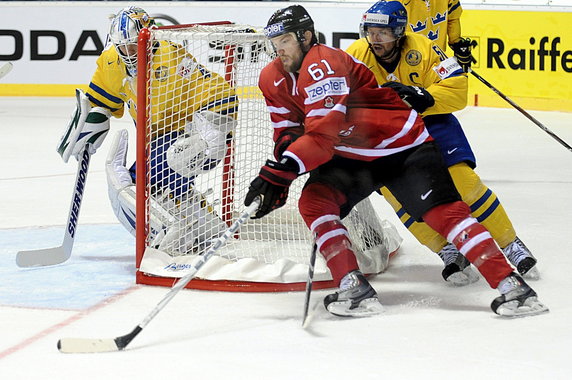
x=205, y=135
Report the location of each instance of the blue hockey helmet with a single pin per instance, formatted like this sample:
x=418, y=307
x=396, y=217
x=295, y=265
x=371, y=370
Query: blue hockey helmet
x=385, y=14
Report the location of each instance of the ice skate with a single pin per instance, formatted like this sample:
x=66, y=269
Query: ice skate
x=458, y=270
x=517, y=299
x=521, y=257
x=355, y=298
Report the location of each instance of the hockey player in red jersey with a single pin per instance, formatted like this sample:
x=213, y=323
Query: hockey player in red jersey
x=332, y=120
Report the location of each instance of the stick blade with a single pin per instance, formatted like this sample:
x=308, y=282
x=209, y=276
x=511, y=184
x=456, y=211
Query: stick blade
x=5, y=68
x=42, y=257
x=86, y=345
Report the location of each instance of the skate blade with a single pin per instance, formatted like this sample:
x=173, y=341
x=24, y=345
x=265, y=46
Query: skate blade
x=367, y=307
x=532, y=274
x=465, y=277
x=529, y=308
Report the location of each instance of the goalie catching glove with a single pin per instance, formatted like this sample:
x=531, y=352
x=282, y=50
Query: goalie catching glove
x=88, y=127
x=202, y=146
x=462, y=49
x=272, y=185
x=417, y=98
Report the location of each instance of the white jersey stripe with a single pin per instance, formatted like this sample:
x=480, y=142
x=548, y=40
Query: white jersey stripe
x=324, y=111
x=278, y=110
x=405, y=130
x=284, y=124
x=297, y=159
x=365, y=152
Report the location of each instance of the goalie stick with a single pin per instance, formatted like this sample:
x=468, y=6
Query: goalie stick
x=5, y=69
x=522, y=111
x=57, y=255
x=86, y=345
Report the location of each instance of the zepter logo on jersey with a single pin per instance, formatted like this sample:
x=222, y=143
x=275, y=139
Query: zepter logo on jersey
x=333, y=86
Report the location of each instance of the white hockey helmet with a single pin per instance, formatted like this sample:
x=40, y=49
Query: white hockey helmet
x=123, y=33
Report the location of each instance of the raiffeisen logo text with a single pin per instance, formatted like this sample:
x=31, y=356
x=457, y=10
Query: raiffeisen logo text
x=542, y=54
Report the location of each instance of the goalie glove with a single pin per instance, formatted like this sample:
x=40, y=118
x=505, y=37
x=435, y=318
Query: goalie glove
x=272, y=185
x=416, y=97
x=462, y=49
x=203, y=145
x=88, y=126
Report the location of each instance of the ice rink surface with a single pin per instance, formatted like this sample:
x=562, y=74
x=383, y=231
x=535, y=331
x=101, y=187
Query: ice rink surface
x=429, y=330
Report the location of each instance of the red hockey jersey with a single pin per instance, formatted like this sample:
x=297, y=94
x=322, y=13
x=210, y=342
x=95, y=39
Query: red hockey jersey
x=336, y=106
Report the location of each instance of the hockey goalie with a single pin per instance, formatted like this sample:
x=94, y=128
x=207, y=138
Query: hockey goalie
x=189, y=134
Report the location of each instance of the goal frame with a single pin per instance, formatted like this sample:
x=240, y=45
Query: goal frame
x=142, y=194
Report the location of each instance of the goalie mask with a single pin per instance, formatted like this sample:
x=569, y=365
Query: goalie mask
x=125, y=28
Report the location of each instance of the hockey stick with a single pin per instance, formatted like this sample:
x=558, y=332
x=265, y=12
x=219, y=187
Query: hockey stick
x=86, y=345
x=309, y=283
x=5, y=69
x=57, y=255
x=518, y=108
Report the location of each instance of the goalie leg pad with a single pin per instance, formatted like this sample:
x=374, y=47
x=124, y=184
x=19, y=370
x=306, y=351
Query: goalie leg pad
x=196, y=224
x=121, y=190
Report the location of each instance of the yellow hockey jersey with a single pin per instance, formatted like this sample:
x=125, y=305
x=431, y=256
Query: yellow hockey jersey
x=180, y=87
x=424, y=64
x=435, y=19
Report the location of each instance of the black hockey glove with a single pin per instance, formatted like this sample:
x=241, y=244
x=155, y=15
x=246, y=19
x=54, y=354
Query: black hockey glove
x=462, y=50
x=416, y=97
x=272, y=186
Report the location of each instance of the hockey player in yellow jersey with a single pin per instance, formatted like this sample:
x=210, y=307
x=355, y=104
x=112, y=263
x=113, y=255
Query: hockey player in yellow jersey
x=194, y=110
x=435, y=86
x=440, y=21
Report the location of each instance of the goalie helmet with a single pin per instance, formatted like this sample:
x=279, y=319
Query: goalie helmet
x=293, y=19
x=124, y=31
x=385, y=14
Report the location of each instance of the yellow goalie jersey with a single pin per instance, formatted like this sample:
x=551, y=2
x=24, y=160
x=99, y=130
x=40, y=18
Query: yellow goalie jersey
x=435, y=19
x=180, y=87
x=424, y=64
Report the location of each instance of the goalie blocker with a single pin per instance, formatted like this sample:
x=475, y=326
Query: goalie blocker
x=88, y=126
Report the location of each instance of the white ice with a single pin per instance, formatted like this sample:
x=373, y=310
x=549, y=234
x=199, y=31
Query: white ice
x=429, y=330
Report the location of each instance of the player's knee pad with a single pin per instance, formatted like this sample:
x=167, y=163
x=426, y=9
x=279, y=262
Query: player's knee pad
x=484, y=204
x=319, y=199
x=422, y=232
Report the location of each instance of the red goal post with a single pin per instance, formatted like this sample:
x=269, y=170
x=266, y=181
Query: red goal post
x=182, y=71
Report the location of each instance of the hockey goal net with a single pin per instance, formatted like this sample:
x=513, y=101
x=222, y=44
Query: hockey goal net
x=183, y=71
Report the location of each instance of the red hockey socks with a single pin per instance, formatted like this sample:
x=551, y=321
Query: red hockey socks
x=320, y=208
x=472, y=239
